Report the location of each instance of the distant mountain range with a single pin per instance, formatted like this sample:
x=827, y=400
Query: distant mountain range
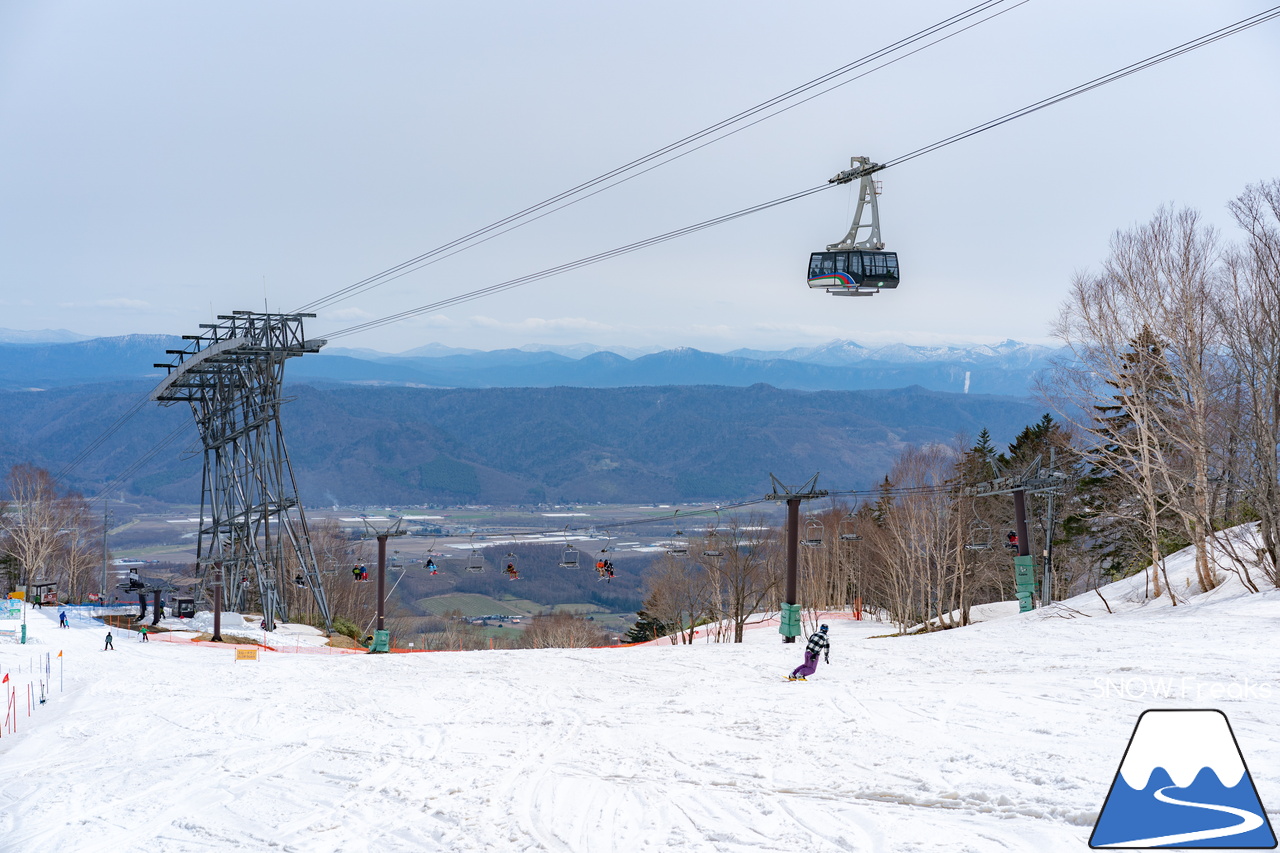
x=42, y=336
x=1007, y=368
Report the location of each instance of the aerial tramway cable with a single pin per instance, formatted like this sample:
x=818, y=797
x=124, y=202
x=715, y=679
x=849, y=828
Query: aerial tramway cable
x=1156, y=59
x=731, y=125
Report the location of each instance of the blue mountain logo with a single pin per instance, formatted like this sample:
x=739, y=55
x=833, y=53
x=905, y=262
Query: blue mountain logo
x=1183, y=784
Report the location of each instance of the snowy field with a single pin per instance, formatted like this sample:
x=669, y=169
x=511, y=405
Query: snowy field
x=1002, y=736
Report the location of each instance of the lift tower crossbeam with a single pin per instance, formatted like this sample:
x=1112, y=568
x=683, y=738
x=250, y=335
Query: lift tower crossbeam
x=232, y=375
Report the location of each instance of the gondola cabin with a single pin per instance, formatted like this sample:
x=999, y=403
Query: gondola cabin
x=857, y=268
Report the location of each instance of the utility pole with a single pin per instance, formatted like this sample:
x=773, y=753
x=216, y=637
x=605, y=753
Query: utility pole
x=381, y=636
x=790, y=610
x=106, y=521
x=1046, y=589
x=217, y=602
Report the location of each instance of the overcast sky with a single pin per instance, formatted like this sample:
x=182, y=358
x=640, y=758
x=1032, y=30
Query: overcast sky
x=163, y=162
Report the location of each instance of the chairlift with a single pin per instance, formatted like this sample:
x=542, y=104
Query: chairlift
x=812, y=534
x=569, y=559
x=513, y=573
x=605, y=569
x=679, y=545
x=713, y=550
x=475, y=560
x=847, y=532
x=979, y=536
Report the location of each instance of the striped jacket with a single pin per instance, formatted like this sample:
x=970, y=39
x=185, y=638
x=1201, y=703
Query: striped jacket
x=818, y=643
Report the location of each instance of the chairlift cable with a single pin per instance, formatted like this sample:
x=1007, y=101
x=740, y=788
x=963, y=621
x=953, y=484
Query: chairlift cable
x=526, y=216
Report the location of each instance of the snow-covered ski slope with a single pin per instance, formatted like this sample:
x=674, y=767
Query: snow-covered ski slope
x=1002, y=736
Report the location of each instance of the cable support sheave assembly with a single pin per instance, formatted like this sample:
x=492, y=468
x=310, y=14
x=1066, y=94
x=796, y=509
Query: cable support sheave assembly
x=601, y=182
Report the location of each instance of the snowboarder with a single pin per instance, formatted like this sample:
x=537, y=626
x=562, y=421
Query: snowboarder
x=62, y=620
x=432, y=566
x=512, y=574
x=604, y=568
x=108, y=645
x=818, y=645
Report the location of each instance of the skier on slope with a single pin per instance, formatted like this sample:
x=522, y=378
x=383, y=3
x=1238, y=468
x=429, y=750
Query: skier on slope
x=818, y=645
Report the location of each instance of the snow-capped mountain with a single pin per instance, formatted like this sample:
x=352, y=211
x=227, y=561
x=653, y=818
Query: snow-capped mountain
x=41, y=336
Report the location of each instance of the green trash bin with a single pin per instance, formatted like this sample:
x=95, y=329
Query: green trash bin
x=790, y=626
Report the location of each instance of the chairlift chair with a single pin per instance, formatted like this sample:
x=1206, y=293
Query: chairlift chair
x=713, y=550
x=812, y=534
x=847, y=533
x=475, y=560
x=679, y=545
x=979, y=536
x=569, y=559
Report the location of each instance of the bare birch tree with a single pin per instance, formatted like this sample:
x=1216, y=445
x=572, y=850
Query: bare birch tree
x=1249, y=310
x=1144, y=326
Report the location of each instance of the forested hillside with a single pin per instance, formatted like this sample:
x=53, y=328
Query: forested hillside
x=356, y=444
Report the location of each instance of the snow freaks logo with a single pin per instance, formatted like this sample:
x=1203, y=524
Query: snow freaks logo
x=1183, y=784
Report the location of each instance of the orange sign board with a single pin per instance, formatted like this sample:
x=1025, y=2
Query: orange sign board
x=246, y=654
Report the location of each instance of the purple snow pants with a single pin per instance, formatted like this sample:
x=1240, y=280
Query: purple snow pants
x=809, y=667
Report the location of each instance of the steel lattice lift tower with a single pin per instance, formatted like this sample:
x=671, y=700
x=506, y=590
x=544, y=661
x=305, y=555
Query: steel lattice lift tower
x=232, y=376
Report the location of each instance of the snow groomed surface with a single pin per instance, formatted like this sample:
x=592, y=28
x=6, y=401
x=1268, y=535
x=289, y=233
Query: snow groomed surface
x=1002, y=736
